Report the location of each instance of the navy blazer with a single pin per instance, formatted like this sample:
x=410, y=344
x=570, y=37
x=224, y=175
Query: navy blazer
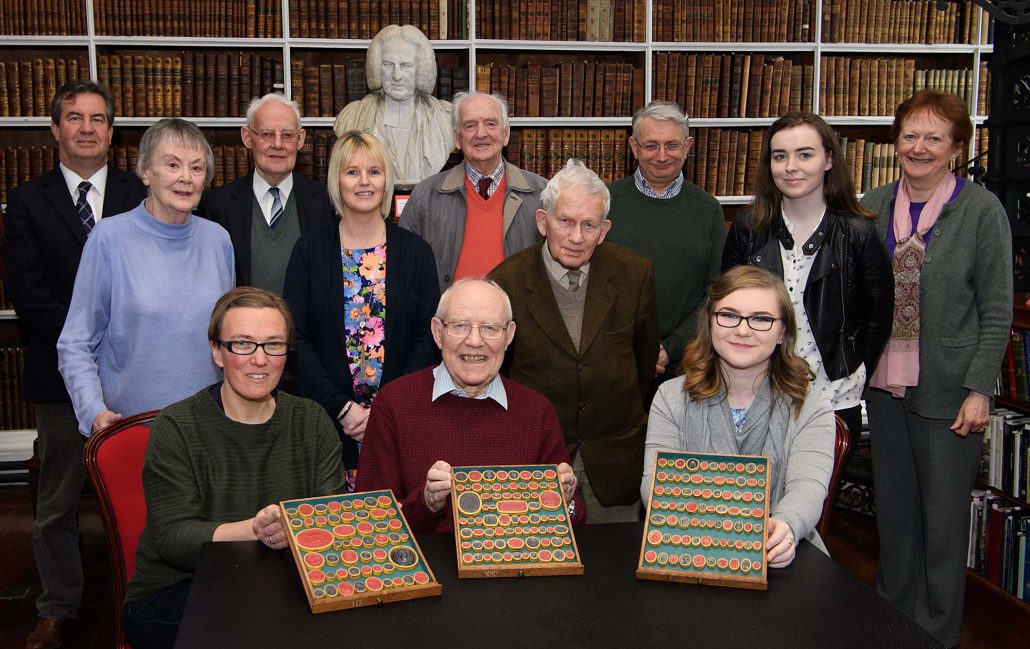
x=314, y=290
x=232, y=205
x=43, y=241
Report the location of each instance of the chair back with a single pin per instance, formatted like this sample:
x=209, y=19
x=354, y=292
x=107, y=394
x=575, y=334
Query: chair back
x=840, y=454
x=114, y=463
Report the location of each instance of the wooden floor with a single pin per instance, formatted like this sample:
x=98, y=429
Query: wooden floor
x=993, y=619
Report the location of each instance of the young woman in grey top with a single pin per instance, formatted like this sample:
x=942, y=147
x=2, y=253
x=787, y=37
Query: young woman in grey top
x=745, y=391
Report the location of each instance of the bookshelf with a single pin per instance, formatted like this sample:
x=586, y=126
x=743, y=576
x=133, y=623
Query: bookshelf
x=312, y=50
x=804, y=40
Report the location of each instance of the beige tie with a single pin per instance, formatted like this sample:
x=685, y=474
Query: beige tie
x=574, y=279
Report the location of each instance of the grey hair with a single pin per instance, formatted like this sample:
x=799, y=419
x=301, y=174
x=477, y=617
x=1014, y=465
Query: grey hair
x=179, y=131
x=662, y=111
x=445, y=299
x=460, y=98
x=273, y=97
x=425, y=58
x=572, y=174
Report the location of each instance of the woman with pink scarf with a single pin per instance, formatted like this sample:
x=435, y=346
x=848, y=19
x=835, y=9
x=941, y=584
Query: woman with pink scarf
x=929, y=398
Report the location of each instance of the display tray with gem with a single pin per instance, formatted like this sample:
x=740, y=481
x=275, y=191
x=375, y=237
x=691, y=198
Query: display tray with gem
x=355, y=550
x=707, y=521
x=512, y=521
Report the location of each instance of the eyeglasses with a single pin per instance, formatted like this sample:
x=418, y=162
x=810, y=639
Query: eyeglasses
x=673, y=147
x=732, y=320
x=930, y=141
x=248, y=347
x=267, y=135
x=488, y=331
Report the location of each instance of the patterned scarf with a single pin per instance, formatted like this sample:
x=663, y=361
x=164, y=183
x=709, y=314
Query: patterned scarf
x=899, y=365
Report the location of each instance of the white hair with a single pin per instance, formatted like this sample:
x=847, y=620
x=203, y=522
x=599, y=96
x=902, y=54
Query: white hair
x=572, y=174
x=273, y=97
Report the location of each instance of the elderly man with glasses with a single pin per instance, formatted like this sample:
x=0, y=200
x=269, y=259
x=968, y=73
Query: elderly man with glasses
x=267, y=210
x=460, y=413
x=672, y=222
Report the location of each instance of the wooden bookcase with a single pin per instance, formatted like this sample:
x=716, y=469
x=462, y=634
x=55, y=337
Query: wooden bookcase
x=307, y=45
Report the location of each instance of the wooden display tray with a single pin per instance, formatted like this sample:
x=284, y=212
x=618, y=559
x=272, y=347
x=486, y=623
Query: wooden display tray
x=497, y=506
x=697, y=533
x=345, y=565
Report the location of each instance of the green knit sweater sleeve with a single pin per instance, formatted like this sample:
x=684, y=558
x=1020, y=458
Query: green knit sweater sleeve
x=175, y=503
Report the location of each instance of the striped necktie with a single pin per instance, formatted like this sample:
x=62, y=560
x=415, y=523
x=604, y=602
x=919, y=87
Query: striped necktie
x=82, y=207
x=277, y=207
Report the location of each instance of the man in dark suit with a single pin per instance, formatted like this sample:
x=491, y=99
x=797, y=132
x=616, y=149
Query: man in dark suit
x=46, y=225
x=267, y=210
x=588, y=338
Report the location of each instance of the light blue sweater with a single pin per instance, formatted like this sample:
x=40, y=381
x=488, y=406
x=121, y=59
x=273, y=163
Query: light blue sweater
x=136, y=334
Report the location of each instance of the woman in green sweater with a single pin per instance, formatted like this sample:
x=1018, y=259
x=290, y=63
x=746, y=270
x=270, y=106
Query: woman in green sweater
x=218, y=462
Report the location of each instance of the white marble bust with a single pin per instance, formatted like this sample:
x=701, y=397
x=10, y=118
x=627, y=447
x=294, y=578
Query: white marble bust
x=401, y=111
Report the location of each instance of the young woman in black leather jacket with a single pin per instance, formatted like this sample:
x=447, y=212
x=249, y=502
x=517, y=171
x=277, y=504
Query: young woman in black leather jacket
x=806, y=225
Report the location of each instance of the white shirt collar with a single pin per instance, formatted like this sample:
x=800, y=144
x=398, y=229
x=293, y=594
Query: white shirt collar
x=95, y=197
x=264, y=199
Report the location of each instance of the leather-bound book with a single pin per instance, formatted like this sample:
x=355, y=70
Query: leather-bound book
x=549, y=92
x=311, y=91
x=565, y=89
x=339, y=88
x=325, y=91
x=533, y=87
x=187, y=84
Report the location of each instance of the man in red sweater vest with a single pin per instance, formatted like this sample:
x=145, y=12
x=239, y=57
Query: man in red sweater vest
x=461, y=413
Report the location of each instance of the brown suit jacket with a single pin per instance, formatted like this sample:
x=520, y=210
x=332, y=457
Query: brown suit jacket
x=599, y=391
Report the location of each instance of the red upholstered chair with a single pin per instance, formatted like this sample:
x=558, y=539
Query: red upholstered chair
x=114, y=463
x=840, y=453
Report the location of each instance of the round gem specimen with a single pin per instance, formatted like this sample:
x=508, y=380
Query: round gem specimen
x=306, y=510
x=349, y=557
x=314, y=540
x=469, y=503
x=699, y=561
x=365, y=528
x=649, y=557
x=692, y=464
x=314, y=560
x=474, y=476
x=403, y=557
x=374, y=584
x=550, y=499
x=654, y=537
x=344, y=531
x=316, y=577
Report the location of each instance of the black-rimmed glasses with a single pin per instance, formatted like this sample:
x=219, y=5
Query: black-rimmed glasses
x=732, y=320
x=248, y=347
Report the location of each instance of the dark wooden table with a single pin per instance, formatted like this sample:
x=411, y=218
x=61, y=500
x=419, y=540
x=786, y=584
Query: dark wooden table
x=245, y=595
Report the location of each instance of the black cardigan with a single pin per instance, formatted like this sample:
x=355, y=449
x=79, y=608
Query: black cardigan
x=849, y=296
x=314, y=290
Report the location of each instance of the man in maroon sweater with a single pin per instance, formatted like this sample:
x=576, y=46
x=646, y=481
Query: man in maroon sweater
x=461, y=413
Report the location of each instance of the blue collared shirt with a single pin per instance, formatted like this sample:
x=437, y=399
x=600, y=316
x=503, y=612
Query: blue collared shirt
x=496, y=176
x=444, y=384
x=645, y=188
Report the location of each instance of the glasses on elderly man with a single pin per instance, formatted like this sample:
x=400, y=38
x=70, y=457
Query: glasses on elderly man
x=268, y=135
x=488, y=330
x=248, y=347
x=732, y=320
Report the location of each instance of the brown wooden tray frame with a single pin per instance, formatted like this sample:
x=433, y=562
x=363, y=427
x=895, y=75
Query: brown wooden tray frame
x=525, y=569
x=401, y=593
x=701, y=576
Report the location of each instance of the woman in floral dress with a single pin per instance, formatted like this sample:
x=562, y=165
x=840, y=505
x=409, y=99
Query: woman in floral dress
x=359, y=326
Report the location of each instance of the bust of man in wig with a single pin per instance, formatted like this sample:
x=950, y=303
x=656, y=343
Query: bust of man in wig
x=401, y=111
